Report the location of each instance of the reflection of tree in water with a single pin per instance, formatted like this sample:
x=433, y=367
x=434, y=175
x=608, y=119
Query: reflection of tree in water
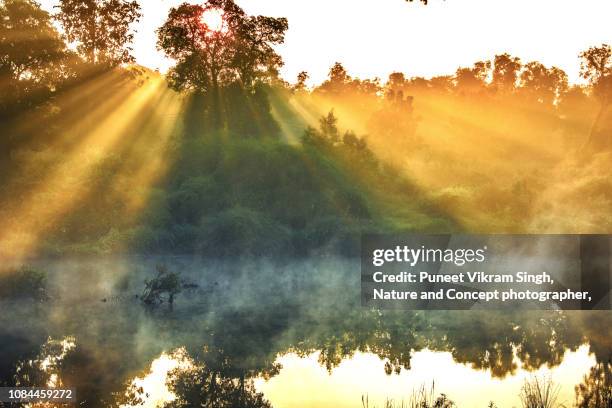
x=46, y=367
x=491, y=340
x=200, y=386
x=193, y=383
x=338, y=335
x=484, y=339
x=244, y=345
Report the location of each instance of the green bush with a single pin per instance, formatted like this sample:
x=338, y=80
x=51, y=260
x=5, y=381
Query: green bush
x=241, y=231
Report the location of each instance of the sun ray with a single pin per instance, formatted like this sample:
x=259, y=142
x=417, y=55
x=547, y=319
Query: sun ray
x=63, y=187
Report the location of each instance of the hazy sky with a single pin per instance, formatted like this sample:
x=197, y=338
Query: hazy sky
x=375, y=37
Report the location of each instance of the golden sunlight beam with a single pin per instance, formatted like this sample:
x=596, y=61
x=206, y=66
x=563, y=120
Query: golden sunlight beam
x=106, y=129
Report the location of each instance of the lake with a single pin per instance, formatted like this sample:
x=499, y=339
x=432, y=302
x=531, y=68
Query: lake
x=290, y=334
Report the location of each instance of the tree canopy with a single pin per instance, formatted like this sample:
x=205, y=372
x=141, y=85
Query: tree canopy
x=207, y=58
x=32, y=52
x=101, y=28
x=596, y=67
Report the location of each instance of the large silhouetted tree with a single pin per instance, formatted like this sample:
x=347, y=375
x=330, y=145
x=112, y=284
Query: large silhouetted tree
x=596, y=64
x=101, y=28
x=208, y=58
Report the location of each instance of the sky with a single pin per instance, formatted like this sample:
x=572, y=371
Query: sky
x=373, y=38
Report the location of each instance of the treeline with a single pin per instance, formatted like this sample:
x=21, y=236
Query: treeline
x=503, y=79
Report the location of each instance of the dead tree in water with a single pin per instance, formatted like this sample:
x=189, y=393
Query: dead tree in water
x=165, y=283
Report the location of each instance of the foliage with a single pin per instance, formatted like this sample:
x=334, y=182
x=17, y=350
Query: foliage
x=340, y=83
x=208, y=59
x=33, y=62
x=472, y=80
x=31, y=50
x=596, y=67
x=422, y=397
x=328, y=135
x=243, y=231
x=165, y=283
x=200, y=386
x=505, y=72
x=101, y=28
x=539, y=393
x=596, y=389
x=300, y=85
x=543, y=84
x=229, y=168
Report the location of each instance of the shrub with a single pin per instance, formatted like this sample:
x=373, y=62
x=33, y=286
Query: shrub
x=240, y=231
x=166, y=283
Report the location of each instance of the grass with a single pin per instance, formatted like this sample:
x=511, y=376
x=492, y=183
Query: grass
x=423, y=397
x=535, y=393
x=540, y=393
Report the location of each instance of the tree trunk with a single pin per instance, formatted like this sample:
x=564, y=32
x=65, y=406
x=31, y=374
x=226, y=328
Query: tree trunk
x=216, y=102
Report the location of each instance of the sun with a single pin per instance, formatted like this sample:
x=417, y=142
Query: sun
x=213, y=19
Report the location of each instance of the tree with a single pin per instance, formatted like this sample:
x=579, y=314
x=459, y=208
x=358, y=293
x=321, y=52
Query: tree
x=101, y=29
x=596, y=67
x=505, y=72
x=596, y=389
x=542, y=84
x=33, y=62
x=338, y=80
x=473, y=80
x=254, y=57
x=165, y=282
x=329, y=127
x=199, y=386
x=338, y=74
x=396, y=81
x=300, y=85
x=327, y=133
x=208, y=58
x=442, y=84
x=31, y=50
